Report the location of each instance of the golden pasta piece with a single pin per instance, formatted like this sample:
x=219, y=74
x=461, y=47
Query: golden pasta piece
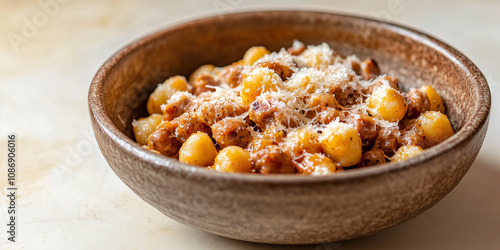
x=318, y=164
x=434, y=127
x=253, y=54
x=164, y=91
x=436, y=104
x=388, y=104
x=256, y=82
x=145, y=126
x=318, y=56
x=198, y=149
x=341, y=142
x=301, y=85
x=233, y=159
x=301, y=141
x=406, y=152
x=206, y=69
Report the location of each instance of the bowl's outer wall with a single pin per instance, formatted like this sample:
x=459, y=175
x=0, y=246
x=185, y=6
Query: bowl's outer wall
x=323, y=210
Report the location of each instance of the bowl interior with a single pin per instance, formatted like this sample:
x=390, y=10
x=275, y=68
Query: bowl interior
x=414, y=58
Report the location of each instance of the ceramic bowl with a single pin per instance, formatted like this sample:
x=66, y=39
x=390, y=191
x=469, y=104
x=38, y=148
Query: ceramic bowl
x=286, y=209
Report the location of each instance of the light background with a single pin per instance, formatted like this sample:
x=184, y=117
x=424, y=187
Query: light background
x=70, y=198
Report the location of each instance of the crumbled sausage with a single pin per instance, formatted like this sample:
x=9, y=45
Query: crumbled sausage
x=328, y=115
x=412, y=137
x=231, y=132
x=347, y=95
x=269, y=111
x=388, y=139
x=369, y=69
x=283, y=71
x=354, y=63
x=418, y=103
x=372, y=157
x=366, y=126
x=410, y=134
x=320, y=102
x=231, y=75
x=259, y=144
x=164, y=139
x=272, y=160
x=297, y=49
x=212, y=111
x=190, y=123
x=262, y=112
x=393, y=83
x=408, y=124
x=203, y=83
x=177, y=105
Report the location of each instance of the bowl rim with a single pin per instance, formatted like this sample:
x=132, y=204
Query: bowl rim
x=164, y=163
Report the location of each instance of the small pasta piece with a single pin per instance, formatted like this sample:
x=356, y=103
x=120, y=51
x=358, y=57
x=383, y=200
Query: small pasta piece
x=302, y=141
x=256, y=82
x=207, y=69
x=434, y=127
x=406, y=152
x=145, y=127
x=253, y=54
x=317, y=164
x=319, y=56
x=233, y=159
x=436, y=104
x=388, y=104
x=301, y=86
x=341, y=142
x=164, y=91
x=198, y=150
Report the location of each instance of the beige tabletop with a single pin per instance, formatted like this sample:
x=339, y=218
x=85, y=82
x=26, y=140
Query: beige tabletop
x=68, y=197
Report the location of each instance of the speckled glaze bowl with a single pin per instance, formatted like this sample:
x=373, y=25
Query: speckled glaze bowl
x=286, y=209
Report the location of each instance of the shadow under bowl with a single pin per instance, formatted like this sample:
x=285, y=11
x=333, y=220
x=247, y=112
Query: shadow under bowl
x=286, y=209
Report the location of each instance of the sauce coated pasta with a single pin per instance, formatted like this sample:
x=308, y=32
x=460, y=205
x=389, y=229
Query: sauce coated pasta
x=303, y=110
